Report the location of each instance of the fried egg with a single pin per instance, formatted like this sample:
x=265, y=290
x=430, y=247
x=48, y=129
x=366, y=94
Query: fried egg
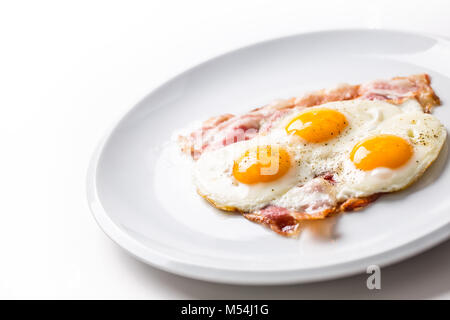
x=367, y=147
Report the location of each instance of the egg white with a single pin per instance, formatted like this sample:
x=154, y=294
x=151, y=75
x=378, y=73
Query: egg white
x=213, y=176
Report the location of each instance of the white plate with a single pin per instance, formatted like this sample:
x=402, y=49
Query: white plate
x=142, y=198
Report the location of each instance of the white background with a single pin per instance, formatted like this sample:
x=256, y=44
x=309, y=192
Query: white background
x=69, y=69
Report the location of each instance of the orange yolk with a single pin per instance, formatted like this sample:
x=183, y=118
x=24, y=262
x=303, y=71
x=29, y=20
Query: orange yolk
x=381, y=151
x=317, y=125
x=261, y=164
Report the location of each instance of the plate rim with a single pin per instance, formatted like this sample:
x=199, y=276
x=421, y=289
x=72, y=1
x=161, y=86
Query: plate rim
x=246, y=277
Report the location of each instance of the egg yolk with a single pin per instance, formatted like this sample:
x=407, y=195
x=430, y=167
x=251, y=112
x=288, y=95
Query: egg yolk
x=381, y=151
x=317, y=125
x=261, y=164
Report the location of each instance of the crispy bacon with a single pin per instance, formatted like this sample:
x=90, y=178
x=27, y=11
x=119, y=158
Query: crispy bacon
x=354, y=204
x=226, y=129
x=399, y=89
x=323, y=203
x=340, y=93
x=278, y=219
x=288, y=222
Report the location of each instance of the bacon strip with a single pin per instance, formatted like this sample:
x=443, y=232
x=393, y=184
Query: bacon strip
x=282, y=220
x=288, y=222
x=223, y=130
x=399, y=89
